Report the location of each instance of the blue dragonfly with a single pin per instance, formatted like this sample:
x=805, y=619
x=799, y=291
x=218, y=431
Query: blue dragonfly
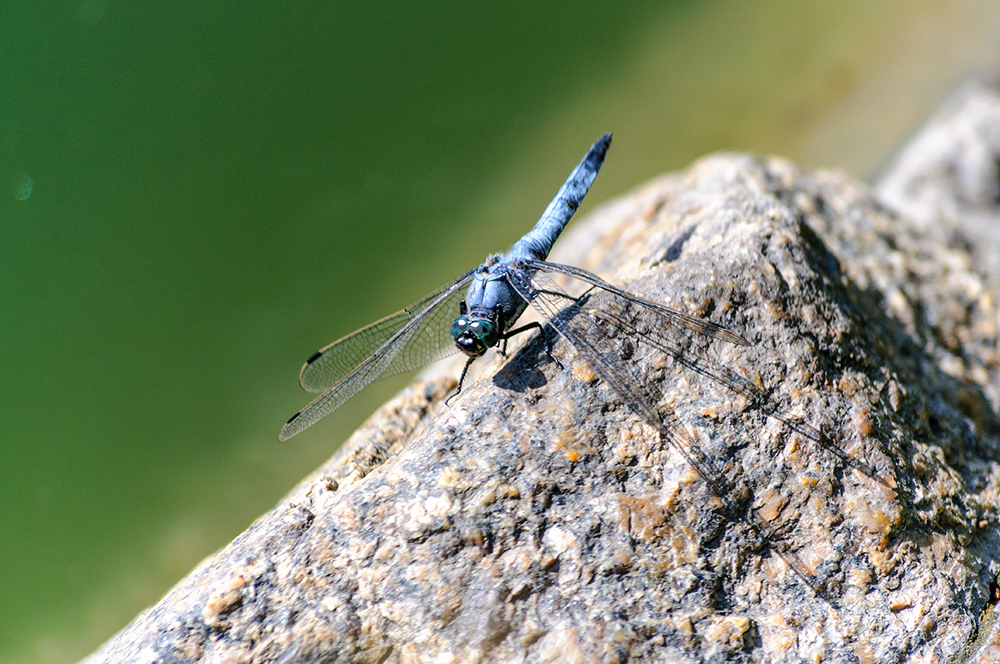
x=490, y=299
x=498, y=292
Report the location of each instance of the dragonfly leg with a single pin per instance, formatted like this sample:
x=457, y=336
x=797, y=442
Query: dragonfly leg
x=461, y=379
x=545, y=338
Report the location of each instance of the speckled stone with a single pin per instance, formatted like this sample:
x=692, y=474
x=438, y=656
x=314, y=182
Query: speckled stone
x=537, y=519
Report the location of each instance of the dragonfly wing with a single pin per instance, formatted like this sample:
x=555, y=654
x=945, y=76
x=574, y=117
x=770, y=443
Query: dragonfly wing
x=646, y=325
x=423, y=337
x=670, y=331
x=331, y=364
x=672, y=317
x=590, y=344
x=573, y=324
x=674, y=333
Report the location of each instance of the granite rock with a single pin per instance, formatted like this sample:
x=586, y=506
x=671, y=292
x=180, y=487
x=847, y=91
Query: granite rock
x=537, y=519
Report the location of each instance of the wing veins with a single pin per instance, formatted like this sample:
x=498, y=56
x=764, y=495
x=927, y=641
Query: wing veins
x=374, y=366
x=703, y=327
x=334, y=362
x=639, y=401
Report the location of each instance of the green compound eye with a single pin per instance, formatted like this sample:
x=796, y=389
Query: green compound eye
x=474, y=337
x=485, y=331
x=459, y=327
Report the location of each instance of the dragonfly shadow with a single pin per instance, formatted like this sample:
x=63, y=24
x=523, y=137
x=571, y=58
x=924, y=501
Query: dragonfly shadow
x=523, y=371
x=672, y=251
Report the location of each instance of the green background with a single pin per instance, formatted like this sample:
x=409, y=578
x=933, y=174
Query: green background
x=217, y=189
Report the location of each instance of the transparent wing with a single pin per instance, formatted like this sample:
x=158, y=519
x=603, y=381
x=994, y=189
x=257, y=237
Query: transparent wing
x=647, y=325
x=592, y=347
x=674, y=319
x=330, y=364
x=673, y=333
x=407, y=340
x=676, y=334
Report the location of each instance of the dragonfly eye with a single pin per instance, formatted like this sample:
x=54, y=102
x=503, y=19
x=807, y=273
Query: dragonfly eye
x=485, y=331
x=459, y=327
x=474, y=337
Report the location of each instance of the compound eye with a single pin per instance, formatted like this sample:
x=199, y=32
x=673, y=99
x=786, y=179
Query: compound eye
x=459, y=327
x=486, y=332
x=473, y=337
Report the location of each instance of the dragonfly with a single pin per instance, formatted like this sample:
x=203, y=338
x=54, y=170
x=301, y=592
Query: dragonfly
x=489, y=300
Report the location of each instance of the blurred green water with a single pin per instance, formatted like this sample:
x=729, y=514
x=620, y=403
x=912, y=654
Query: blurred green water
x=201, y=194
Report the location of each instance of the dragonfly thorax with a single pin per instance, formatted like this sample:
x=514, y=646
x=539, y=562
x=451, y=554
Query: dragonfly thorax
x=490, y=307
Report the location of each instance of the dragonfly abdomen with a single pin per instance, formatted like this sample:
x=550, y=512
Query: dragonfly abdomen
x=539, y=240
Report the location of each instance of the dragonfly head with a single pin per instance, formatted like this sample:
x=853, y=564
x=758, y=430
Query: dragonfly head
x=474, y=336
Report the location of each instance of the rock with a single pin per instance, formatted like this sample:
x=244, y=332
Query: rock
x=947, y=180
x=852, y=512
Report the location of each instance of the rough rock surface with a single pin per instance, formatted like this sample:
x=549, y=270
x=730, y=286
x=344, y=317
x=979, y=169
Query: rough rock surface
x=947, y=184
x=947, y=180
x=537, y=519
